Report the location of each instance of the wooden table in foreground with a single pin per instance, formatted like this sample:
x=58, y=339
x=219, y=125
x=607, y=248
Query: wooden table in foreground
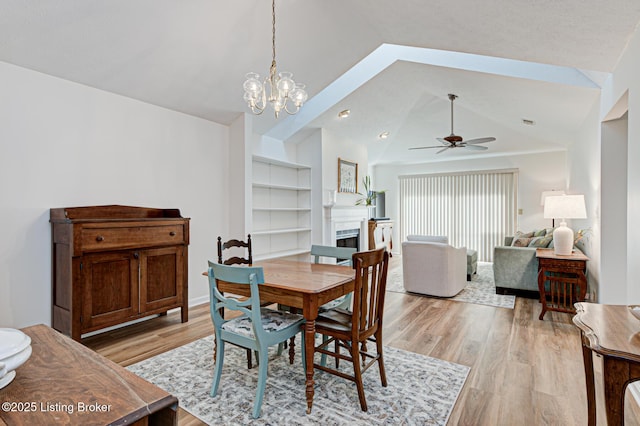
x=305, y=286
x=611, y=331
x=64, y=382
x=566, y=278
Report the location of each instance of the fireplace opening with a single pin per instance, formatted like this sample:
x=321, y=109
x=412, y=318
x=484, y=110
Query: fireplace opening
x=348, y=238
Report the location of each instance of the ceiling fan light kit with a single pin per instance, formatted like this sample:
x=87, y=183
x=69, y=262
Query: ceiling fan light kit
x=455, y=141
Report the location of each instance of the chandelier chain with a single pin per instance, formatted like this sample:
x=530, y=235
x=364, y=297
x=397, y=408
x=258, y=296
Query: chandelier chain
x=273, y=32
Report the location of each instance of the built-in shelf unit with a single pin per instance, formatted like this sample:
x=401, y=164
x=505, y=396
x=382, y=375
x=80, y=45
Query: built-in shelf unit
x=281, y=208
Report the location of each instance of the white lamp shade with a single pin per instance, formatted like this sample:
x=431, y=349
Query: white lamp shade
x=565, y=207
x=551, y=193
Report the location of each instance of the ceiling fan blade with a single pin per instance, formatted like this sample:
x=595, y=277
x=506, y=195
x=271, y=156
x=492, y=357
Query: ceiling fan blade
x=444, y=149
x=479, y=140
x=442, y=141
x=426, y=147
x=476, y=147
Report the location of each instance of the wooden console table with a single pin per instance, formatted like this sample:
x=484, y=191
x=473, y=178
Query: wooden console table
x=64, y=382
x=380, y=232
x=566, y=278
x=611, y=331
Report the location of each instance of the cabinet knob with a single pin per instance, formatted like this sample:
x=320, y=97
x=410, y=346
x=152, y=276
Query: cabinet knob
x=136, y=255
x=172, y=233
x=99, y=238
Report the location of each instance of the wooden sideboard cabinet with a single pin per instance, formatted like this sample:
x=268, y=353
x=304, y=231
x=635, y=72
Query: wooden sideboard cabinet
x=380, y=232
x=113, y=264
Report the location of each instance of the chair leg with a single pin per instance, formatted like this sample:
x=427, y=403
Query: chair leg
x=262, y=381
x=304, y=353
x=292, y=351
x=217, y=370
x=357, y=373
x=249, y=364
x=336, y=349
x=383, y=374
x=323, y=358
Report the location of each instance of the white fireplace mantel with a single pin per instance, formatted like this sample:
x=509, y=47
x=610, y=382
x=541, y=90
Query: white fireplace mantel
x=341, y=217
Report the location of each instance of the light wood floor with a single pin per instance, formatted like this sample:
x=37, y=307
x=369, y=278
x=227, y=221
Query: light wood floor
x=523, y=371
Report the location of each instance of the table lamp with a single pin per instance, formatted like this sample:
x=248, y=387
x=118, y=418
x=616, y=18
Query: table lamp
x=550, y=193
x=564, y=207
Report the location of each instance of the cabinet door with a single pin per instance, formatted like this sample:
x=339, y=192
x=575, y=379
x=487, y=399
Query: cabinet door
x=110, y=292
x=161, y=278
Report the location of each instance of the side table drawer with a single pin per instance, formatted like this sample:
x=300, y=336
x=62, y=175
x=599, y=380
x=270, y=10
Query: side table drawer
x=576, y=265
x=101, y=239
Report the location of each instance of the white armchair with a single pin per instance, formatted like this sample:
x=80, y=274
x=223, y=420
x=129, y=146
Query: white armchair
x=431, y=266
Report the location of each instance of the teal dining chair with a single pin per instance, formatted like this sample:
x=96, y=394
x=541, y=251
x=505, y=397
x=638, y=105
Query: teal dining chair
x=340, y=254
x=255, y=329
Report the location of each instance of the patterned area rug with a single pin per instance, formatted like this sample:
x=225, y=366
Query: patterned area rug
x=480, y=290
x=421, y=390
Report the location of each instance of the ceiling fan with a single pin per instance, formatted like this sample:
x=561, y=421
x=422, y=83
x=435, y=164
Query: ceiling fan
x=454, y=141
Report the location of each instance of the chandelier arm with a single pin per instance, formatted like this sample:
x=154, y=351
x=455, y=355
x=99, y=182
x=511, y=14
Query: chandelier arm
x=287, y=109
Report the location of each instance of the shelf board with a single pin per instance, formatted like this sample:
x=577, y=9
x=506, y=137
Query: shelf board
x=286, y=187
x=281, y=163
x=282, y=209
x=278, y=254
x=280, y=231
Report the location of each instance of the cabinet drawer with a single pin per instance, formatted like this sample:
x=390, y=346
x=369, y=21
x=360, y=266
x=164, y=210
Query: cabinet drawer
x=577, y=265
x=131, y=237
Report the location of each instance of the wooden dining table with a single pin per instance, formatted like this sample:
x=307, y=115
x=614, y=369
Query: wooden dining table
x=305, y=286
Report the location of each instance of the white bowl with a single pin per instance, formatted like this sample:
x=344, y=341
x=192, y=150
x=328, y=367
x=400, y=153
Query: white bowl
x=15, y=350
x=635, y=310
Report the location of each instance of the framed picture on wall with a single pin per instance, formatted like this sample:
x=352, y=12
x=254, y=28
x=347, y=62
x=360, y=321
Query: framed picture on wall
x=347, y=176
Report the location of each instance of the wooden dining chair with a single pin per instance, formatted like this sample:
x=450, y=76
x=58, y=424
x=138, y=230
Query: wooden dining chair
x=255, y=329
x=237, y=260
x=351, y=330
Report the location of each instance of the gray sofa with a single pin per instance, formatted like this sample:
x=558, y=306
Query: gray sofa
x=515, y=270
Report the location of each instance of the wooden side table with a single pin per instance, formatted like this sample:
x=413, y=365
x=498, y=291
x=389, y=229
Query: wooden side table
x=611, y=331
x=566, y=278
x=64, y=382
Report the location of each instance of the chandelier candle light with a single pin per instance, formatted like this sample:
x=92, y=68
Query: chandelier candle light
x=564, y=207
x=278, y=89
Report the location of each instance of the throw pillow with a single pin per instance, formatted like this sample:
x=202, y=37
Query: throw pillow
x=539, y=232
x=521, y=242
x=541, y=242
x=519, y=235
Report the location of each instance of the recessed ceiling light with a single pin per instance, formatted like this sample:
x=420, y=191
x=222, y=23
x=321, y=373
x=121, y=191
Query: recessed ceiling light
x=383, y=135
x=527, y=122
x=344, y=113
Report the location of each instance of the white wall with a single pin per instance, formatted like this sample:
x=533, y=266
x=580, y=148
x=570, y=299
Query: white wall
x=623, y=79
x=537, y=173
x=583, y=171
x=309, y=152
x=334, y=147
x=63, y=144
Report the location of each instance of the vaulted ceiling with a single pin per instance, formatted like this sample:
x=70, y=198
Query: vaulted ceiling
x=391, y=63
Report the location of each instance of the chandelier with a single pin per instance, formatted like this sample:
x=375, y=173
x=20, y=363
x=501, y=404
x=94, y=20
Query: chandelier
x=278, y=89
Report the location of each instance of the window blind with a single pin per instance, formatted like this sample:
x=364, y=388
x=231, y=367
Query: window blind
x=475, y=210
